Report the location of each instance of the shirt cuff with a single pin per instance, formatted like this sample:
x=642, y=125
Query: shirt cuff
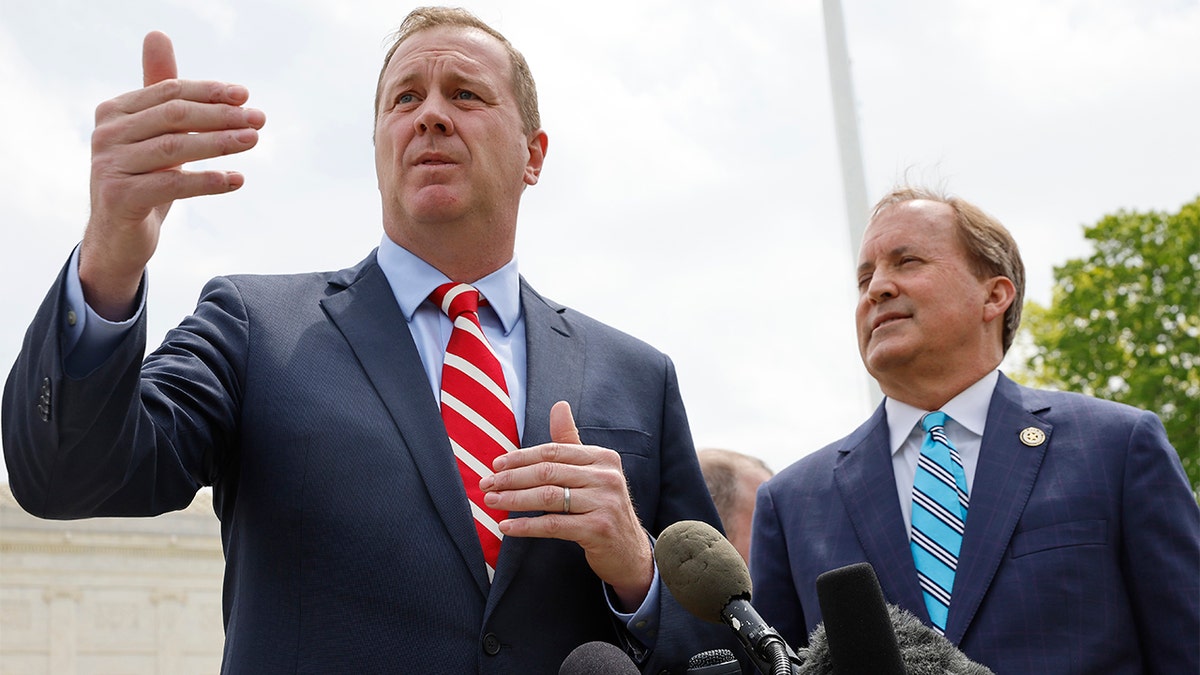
x=642, y=624
x=88, y=338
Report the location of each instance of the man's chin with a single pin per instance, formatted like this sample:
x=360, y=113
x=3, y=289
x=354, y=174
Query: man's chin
x=883, y=356
x=435, y=203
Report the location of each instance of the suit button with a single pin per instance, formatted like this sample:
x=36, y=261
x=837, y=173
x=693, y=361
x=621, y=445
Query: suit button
x=44, y=401
x=491, y=644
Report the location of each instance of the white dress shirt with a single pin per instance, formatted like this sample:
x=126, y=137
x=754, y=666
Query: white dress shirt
x=968, y=415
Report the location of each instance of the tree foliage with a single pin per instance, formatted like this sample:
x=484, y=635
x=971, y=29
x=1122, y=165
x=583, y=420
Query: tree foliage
x=1124, y=324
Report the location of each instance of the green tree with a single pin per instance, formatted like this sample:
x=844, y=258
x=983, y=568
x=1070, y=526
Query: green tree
x=1124, y=324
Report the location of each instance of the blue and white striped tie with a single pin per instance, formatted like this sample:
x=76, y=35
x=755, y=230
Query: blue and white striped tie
x=939, y=514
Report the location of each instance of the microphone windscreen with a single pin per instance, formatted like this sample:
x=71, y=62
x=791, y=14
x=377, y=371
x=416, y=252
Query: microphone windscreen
x=598, y=658
x=703, y=571
x=714, y=662
x=858, y=627
x=923, y=650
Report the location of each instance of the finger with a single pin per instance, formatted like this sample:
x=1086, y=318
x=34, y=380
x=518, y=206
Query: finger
x=176, y=98
x=547, y=498
x=551, y=525
x=173, y=150
x=562, y=424
x=158, y=59
x=549, y=453
x=521, y=480
x=174, y=117
x=161, y=187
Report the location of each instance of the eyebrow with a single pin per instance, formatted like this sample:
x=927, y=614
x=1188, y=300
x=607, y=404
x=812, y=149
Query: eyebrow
x=402, y=81
x=458, y=77
x=894, y=253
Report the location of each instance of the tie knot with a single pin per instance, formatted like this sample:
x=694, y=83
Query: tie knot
x=455, y=299
x=933, y=420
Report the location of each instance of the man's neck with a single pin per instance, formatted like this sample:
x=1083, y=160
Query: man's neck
x=464, y=259
x=933, y=392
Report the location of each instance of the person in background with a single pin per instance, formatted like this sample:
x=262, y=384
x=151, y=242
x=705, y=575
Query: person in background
x=419, y=463
x=732, y=479
x=1040, y=531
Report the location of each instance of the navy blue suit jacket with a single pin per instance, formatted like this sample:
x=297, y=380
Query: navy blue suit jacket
x=349, y=543
x=1081, y=554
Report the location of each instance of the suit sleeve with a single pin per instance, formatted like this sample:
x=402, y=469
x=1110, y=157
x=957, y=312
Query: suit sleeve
x=1162, y=550
x=770, y=573
x=683, y=496
x=127, y=439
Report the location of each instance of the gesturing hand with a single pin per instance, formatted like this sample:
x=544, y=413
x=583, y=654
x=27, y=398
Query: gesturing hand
x=141, y=142
x=602, y=519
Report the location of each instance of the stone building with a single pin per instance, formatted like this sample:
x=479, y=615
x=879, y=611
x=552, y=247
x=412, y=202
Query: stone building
x=110, y=596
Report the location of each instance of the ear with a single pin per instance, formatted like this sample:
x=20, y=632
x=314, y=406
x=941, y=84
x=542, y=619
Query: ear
x=1000, y=294
x=537, y=156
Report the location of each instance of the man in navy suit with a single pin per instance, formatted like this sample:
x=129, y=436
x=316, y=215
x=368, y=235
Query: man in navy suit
x=310, y=402
x=1081, y=546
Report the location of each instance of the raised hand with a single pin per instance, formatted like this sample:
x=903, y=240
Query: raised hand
x=140, y=145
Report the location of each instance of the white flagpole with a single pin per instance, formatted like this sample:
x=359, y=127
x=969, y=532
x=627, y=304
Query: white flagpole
x=845, y=117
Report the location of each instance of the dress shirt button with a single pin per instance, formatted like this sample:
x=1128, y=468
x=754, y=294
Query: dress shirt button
x=491, y=644
x=71, y=318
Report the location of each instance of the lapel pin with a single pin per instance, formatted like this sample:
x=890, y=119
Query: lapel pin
x=1033, y=436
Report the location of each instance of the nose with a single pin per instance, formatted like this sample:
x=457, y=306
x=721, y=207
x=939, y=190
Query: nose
x=434, y=117
x=880, y=287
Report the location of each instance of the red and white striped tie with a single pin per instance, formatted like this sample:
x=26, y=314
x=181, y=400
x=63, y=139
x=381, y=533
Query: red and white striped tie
x=475, y=408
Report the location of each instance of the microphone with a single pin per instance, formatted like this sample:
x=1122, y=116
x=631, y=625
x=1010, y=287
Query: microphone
x=714, y=662
x=708, y=577
x=860, y=633
x=598, y=658
x=857, y=627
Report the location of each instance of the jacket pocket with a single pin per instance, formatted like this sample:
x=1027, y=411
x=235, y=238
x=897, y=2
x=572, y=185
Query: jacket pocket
x=625, y=441
x=1060, y=535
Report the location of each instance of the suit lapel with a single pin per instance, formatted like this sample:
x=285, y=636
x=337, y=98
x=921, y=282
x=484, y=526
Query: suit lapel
x=553, y=372
x=366, y=313
x=867, y=485
x=1004, y=479
x=554, y=364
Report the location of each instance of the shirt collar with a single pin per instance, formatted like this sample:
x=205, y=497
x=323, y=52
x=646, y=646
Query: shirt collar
x=412, y=280
x=968, y=409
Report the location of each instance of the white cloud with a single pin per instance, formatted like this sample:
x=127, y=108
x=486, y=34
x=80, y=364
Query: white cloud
x=691, y=156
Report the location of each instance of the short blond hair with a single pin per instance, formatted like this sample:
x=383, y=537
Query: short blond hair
x=424, y=18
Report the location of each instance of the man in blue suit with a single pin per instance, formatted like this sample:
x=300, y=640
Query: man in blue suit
x=310, y=402
x=1081, y=546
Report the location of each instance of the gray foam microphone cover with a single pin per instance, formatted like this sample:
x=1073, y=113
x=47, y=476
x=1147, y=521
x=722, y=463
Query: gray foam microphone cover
x=701, y=568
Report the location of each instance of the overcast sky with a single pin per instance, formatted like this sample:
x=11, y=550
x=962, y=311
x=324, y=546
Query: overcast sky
x=692, y=192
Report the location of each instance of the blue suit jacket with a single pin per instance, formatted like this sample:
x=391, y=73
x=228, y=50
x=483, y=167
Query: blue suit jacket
x=349, y=542
x=1081, y=554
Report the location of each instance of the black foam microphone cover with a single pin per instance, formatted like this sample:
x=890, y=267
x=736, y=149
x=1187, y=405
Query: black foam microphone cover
x=598, y=658
x=858, y=628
